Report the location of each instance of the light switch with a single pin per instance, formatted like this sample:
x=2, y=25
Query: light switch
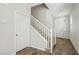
x=4, y=21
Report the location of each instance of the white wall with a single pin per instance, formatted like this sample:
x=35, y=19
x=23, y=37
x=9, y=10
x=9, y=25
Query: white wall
x=75, y=28
x=9, y=43
x=36, y=40
x=42, y=14
x=22, y=18
x=62, y=25
x=7, y=30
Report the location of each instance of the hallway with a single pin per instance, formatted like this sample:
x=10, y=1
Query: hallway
x=62, y=47
x=32, y=29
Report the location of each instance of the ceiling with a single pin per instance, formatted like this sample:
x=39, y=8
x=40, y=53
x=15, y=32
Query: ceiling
x=58, y=9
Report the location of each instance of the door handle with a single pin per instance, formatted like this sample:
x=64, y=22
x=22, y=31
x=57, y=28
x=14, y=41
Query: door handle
x=16, y=34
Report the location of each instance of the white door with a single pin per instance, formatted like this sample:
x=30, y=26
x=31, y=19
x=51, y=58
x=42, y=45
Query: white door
x=21, y=30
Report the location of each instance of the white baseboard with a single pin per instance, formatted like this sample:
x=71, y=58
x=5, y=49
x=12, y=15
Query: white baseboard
x=43, y=49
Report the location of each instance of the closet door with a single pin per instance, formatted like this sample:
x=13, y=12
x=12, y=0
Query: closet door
x=21, y=30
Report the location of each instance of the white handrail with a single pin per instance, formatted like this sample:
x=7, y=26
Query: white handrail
x=40, y=27
x=45, y=32
x=39, y=22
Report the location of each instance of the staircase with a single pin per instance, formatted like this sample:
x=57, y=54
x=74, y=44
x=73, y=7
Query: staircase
x=44, y=32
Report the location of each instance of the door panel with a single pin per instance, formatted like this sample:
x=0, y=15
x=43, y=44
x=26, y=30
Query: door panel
x=21, y=30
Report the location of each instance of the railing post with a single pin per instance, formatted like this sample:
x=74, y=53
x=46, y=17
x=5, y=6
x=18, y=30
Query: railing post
x=51, y=41
x=47, y=37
